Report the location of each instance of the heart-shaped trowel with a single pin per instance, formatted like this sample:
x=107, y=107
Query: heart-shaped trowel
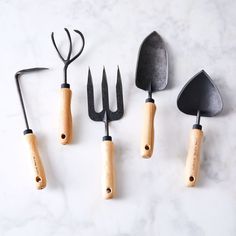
x=199, y=97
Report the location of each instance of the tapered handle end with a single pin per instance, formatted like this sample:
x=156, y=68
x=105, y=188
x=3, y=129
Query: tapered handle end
x=108, y=175
x=147, y=139
x=38, y=170
x=65, y=116
x=193, y=158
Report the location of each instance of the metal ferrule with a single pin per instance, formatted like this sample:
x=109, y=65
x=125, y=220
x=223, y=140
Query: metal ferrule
x=106, y=138
x=28, y=131
x=65, y=85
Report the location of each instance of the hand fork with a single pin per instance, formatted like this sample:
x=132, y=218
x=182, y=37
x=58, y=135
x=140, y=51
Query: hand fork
x=106, y=115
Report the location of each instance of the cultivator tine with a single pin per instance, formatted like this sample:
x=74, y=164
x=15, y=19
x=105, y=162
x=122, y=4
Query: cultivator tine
x=96, y=116
x=70, y=44
x=68, y=59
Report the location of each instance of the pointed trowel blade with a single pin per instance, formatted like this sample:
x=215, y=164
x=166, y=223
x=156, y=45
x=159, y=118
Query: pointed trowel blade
x=152, y=66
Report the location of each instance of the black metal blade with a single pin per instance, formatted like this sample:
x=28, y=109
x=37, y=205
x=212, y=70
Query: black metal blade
x=152, y=67
x=18, y=73
x=17, y=76
x=200, y=94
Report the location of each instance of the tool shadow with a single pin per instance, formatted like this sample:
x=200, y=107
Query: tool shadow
x=227, y=93
x=52, y=180
x=171, y=68
x=120, y=175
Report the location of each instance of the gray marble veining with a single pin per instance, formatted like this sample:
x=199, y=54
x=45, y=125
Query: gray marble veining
x=152, y=198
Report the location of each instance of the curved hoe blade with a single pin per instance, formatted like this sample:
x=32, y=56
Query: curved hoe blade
x=152, y=67
x=200, y=93
x=20, y=72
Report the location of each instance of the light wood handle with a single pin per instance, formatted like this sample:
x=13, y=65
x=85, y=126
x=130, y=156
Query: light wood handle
x=39, y=174
x=65, y=116
x=193, y=157
x=147, y=139
x=108, y=174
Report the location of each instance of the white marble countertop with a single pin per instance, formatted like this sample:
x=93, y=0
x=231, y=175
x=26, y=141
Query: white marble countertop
x=152, y=199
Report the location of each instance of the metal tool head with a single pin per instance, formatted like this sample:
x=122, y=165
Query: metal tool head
x=106, y=114
x=17, y=76
x=20, y=72
x=200, y=94
x=152, y=67
x=69, y=59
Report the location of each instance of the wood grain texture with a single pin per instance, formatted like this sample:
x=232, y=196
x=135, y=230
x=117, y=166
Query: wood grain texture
x=38, y=170
x=193, y=158
x=65, y=116
x=108, y=174
x=147, y=138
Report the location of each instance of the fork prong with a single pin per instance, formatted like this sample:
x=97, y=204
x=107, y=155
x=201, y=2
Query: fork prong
x=119, y=94
x=96, y=116
x=105, y=96
x=119, y=97
x=90, y=95
x=90, y=80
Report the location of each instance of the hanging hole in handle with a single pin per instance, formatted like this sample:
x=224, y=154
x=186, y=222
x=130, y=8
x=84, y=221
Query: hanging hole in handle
x=191, y=178
x=108, y=190
x=38, y=179
x=147, y=147
x=63, y=136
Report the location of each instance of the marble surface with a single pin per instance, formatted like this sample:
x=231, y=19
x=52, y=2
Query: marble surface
x=152, y=198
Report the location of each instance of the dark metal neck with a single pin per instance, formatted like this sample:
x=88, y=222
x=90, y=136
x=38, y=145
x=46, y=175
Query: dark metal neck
x=150, y=99
x=107, y=128
x=22, y=102
x=107, y=137
x=65, y=73
x=106, y=122
x=197, y=124
x=149, y=94
x=198, y=117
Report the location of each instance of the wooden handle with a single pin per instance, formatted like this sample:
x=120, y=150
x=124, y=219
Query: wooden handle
x=39, y=174
x=147, y=139
x=193, y=157
x=108, y=175
x=65, y=116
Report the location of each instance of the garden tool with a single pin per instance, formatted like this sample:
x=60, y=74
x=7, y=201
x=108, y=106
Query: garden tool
x=106, y=116
x=30, y=138
x=66, y=93
x=199, y=97
x=151, y=76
